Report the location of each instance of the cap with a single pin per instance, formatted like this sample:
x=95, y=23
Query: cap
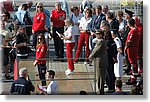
x=130, y=13
x=98, y=31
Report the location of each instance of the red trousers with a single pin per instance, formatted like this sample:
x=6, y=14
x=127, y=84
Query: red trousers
x=69, y=48
x=132, y=56
x=84, y=38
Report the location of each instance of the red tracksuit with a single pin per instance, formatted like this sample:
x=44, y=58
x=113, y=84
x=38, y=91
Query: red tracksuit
x=84, y=37
x=132, y=50
x=69, y=48
x=41, y=53
x=140, y=47
x=39, y=22
x=55, y=18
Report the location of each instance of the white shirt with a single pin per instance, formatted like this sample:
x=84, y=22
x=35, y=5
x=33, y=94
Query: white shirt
x=69, y=32
x=84, y=23
x=118, y=42
x=77, y=19
x=52, y=87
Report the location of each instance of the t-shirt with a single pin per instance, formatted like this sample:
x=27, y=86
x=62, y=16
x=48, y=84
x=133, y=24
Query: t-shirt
x=70, y=32
x=52, y=87
x=76, y=19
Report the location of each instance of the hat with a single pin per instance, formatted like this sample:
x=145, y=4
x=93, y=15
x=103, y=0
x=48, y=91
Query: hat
x=98, y=31
x=130, y=13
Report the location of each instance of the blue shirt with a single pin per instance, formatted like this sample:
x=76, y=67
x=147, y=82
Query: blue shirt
x=47, y=23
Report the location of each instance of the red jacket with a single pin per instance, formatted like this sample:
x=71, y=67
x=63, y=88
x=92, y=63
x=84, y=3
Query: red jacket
x=55, y=15
x=133, y=38
x=41, y=53
x=39, y=22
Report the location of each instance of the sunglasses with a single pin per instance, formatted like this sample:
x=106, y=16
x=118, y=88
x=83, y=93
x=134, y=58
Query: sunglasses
x=39, y=7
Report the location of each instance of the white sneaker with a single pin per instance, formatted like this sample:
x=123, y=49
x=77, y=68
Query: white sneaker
x=69, y=72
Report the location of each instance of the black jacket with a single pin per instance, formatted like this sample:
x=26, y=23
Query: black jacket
x=22, y=86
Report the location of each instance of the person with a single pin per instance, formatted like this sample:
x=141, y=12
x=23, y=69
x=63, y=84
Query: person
x=96, y=21
x=41, y=50
x=105, y=9
x=22, y=17
x=29, y=4
x=6, y=38
x=82, y=92
x=23, y=85
x=52, y=88
x=84, y=4
x=111, y=52
x=128, y=15
x=57, y=18
x=38, y=22
x=114, y=24
x=76, y=18
x=22, y=43
x=131, y=47
x=121, y=21
x=65, y=7
x=70, y=43
x=118, y=66
x=118, y=85
x=84, y=27
x=8, y=24
x=99, y=55
x=140, y=47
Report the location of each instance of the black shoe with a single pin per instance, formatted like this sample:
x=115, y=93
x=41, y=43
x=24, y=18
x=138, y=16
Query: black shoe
x=133, y=82
x=127, y=70
x=8, y=77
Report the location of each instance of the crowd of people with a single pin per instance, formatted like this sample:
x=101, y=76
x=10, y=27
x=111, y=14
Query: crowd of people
x=109, y=37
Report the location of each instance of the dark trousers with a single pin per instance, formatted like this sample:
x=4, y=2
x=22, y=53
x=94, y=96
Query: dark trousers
x=42, y=72
x=35, y=37
x=110, y=76
x=58, y=42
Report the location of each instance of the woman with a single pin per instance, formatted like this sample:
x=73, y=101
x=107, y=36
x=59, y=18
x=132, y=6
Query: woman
x=38, y=22
x=84, y=27
x=70, y=43
x=75, y=18
x=41, y=50
x=122, y=22
x=118, y=66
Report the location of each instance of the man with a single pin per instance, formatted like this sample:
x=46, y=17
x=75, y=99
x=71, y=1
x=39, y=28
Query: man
x=6, y=38
x=114, y=24
x=23, y=85
x=99, y=55
x=52, y=88
x=131, y=47
x=57, y=17
x=118, y=85
x=96, y=20
x=105, y=9
x=128, y=15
